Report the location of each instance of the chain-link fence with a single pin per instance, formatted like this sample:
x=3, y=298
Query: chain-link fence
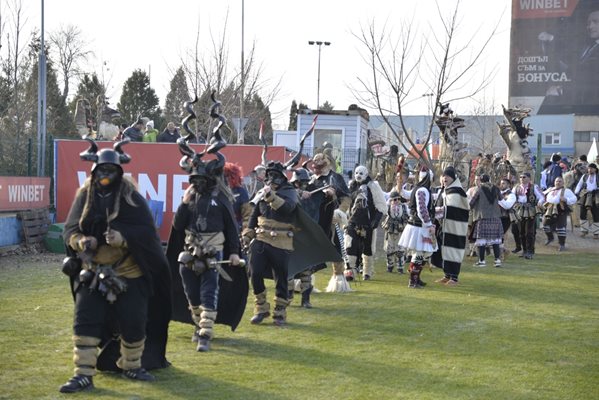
x=18, y=157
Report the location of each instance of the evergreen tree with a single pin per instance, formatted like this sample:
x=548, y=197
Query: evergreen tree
x=327, y=106
x=139, y=99
x=58, y=119
x=89, y=88
x=15, y=122
x=257, y=112
x=176, y=97
x=5, y=95
x=293, y=114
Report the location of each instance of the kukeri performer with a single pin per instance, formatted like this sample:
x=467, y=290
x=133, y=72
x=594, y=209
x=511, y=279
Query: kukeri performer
x=558, y=203
x=397, y=215
x=452, y=210
x=283, y=241
x=393, y=226
x=119, y=276
x=333, y=213
x=588, y=201
x=310, y=200
x=204, y=232
x=206, y=220
x=506, y=204
x=487, y=217
x=528, y=197
x=418, y=237
x=366, y=213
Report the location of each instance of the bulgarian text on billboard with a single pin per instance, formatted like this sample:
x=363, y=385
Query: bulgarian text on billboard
x=554, y=63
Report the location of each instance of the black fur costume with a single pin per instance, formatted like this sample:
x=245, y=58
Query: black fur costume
x=137, y=227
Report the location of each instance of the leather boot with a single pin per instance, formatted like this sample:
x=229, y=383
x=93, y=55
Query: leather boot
x=306, y=298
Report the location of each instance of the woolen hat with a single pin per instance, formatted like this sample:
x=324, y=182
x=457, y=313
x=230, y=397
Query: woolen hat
x=450, y=172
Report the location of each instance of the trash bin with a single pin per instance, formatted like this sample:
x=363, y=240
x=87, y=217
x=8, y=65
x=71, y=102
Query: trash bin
x=53, y=239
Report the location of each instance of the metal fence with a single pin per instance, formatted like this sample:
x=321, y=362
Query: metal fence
x=18, y=157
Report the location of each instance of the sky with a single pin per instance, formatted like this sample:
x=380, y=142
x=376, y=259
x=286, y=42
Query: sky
x=153, y=36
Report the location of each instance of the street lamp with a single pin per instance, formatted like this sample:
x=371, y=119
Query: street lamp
x=319, y=44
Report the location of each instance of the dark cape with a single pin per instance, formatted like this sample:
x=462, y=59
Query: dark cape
x=327, y=210
x=137, y=227
x=311, y=246
x=232, y=296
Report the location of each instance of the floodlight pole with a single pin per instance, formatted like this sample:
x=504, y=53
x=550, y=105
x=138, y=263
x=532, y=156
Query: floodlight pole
x=319, y=44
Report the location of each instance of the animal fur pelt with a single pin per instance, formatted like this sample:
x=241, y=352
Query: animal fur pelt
x=454, y=227
x=378, y=196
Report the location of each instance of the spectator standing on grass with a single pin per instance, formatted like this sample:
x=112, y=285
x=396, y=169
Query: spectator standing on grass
x=486, y=214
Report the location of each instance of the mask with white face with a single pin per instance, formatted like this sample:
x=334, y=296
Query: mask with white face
x=360, y=174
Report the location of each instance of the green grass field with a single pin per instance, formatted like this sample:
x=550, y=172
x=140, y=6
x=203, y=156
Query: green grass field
x=526, y=331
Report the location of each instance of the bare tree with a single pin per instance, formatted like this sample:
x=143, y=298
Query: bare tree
x=483, y=129
x=214, y=73
x=437, y=64
x=15, y=124
x=70, y=49
x=2, y=22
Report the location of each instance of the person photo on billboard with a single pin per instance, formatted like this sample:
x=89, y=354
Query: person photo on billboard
x=581, y=90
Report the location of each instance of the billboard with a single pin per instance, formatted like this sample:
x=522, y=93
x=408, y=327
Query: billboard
x=24, y=193
x=154, y=166
x=554, y=56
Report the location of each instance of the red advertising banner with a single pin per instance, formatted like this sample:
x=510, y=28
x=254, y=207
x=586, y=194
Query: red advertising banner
x=24, y=193
x=554, y=56
x=155, y=168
